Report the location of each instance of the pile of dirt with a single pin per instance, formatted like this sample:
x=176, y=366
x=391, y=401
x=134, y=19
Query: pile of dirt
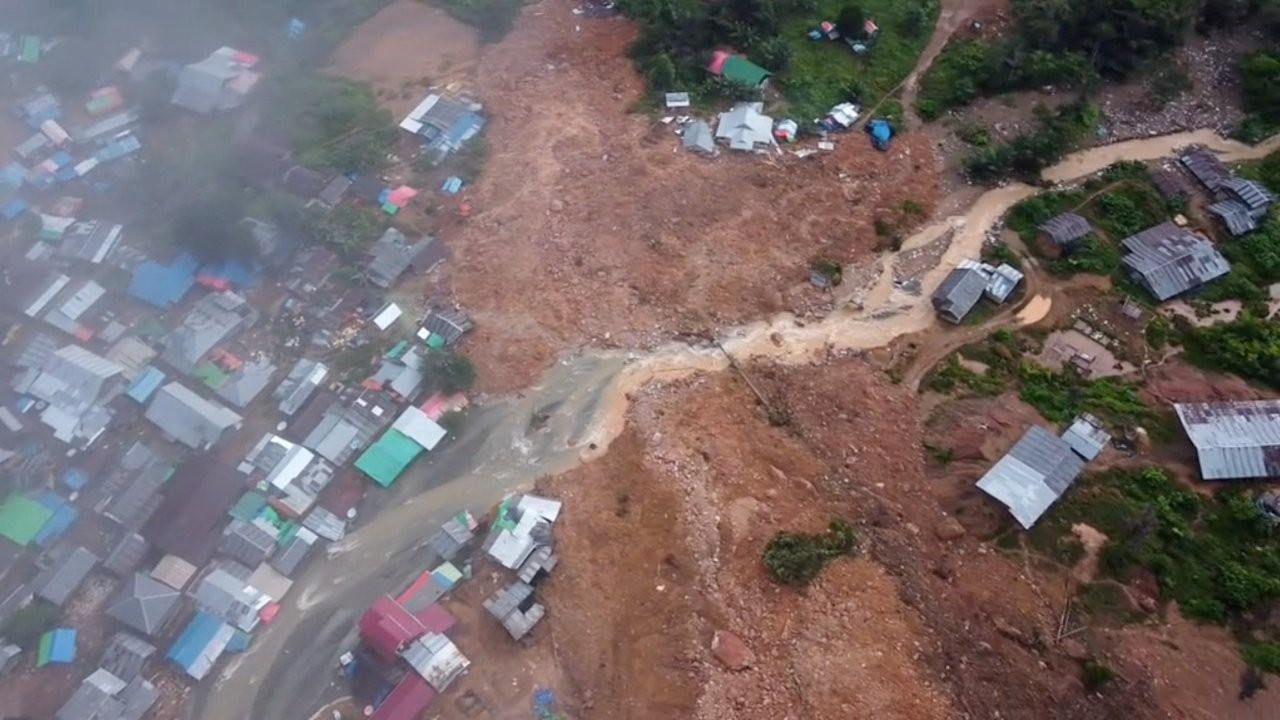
x=663, y=547
x=629, y=240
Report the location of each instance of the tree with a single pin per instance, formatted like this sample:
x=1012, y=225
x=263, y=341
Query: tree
x=452, y=372
x=662, y=73
x=25, y=626
x=851, y=21
x=1260, y=78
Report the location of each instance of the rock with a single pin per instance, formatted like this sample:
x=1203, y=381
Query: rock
x=778, y=474
x=1074, y=649
x=557, y=205
x=1147, y=603
x=949, y=529
x=1004, y=628
x=731, y=651
x=945, y=569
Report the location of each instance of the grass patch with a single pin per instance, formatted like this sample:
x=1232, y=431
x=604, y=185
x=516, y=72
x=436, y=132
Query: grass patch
x=822, y=73
x=1216, y=556
x=493, y=18
x=1060, y=395
x=998, y=252
x=1026, y=216
x=797, y=558
x=1091, y=255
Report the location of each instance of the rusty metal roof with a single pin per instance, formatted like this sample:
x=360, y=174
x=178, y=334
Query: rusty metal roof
x=1235, y=440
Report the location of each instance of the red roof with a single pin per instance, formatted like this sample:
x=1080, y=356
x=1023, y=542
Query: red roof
x=717, y=62
x=435, y=618
x=407, y=701
x=386, y=627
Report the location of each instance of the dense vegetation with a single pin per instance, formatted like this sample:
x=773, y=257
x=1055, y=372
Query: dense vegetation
x=1260, y=85
x=493, y=18
x=334, y=124
x=1216, y=556
x=1058, y=395
x=1249, y=347
x=677, y=36
x=1056, y=133
x=797, y=558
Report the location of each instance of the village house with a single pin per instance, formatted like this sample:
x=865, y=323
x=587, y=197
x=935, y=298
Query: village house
x=745, y=127
x=1036, y=471
x=1204, y=166
x=145, y=605
x=1167, y=260
x=75, y=384
x=186, y=417
x=444, y=124
x=1243, y=206
x=212, y=320
x=392, y=255
x=1059, y=235
x=959, y=291
x=738, y=69
x=1234, y=440
x=221, y=81
x=104, y=696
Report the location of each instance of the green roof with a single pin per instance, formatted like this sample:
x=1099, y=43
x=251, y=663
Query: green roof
x=740, y=69
x=29, y=49
x=386, y=459
x=21, y=518
x=42, y=651
x=248, y=506
x=210, y=375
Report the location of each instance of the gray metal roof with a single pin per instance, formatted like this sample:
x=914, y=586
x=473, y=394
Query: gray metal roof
x=508, y=599
x=449, y=324
x=1235, y=440
x=1036, y=471
x=90, y=241
x=1204, y=166
x=246, y=543
x=144, y=604
x=286, y=561
x=245, y=384
x=1168, y=260
x=211, y=320
x=698, y=137
x=188, y=418
x=1235, y=216
x=1066, y=228
x=7, y=653
x=127, y=555
x=959, y=291
x=333, y=192
x=73, y=378
x=1003, y=280
x=346, y=429
x=745, y=126
x=125, y=655
x=58, y=582
x=135, y=491
x=103, y=696
x=1252, y=195
x=298, y=386
x=228, y=597
x=391, y=256
x=1086, y=436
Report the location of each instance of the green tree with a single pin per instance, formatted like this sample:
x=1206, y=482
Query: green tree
x=797, y=558
x=662, y=73
x=452, y=372
x=25, y=626
x=851, y=21
x=1260, y=80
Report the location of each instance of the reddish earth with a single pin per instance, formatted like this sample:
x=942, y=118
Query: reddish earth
x=664, y=539
x=591, y=227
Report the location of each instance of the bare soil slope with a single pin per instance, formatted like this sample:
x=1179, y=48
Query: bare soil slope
x=664, y=545
x=617, y=233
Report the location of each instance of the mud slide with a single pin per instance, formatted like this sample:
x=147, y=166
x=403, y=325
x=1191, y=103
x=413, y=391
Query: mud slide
x=895, y=313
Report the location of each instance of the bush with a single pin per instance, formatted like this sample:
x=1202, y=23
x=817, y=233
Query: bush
x=1095, y=675
x=1060, y=395
x=25, y=626
x=1026, y=155
x=334, y=124
x=1260, y=81
x=1264, y=656
x=493, y=18
x=1091, y=255
x=829, y=269
x=1248, y=346
x=1157, y=332
x=452, y=373
x=797, y=558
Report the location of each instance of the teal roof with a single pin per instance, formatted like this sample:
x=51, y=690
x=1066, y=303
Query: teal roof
x=144, y=384
x=21, y=519
x=386, y=459
x=740, y=69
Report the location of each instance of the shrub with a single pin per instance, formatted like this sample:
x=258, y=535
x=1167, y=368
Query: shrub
x=1157, y=332
x=1095, y=674
x=451, y=372
x=1264, y=656
x=797, y=558
x=25, y=626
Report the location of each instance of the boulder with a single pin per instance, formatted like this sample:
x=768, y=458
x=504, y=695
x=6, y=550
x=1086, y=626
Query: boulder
x=731, y=651
x=949, y=529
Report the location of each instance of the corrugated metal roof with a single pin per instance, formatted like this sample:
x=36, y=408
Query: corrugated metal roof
x=1235, y=216
x=298, y=386
x=60, y=581
x=247, y=543
x=1204, y=166
x=125, y=655
x=1253, y=195
x=144, y=604
x=1235, y=440
x=1036, y=471
x=201, y=644
x=188, y=418
x=959, y=291
x=416, y=426
x=127, y=555
x=1002, y=282
x=436, y=659
x=1065, y=228
x=1168, y=260
x=1086, y=436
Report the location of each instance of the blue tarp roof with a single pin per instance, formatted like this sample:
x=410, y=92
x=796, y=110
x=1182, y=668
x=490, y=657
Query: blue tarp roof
x=74, y=478
x=466, y=126
x=13, y=208
x=234, y=272
x=50, y=499
x=191, y=643
x=880, y=130
x=56, y=526
x=61, y=158
x=147, y=382
x=163, y=285
x=62, y=646
x=66, y=174
x=239, y=642
x=452, y=184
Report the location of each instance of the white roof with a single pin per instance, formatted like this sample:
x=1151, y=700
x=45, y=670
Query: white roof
x=414, y=424
x=545, y=508
x=47, y=295
x=413, y=121
x=296, y=459
x=434, y=657
x=1234, y=439
x=745, y=127
x=388, y=315
x=85, y=297
x=1018, y=487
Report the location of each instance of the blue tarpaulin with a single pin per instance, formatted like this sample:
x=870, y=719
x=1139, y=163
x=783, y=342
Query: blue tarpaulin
x=61, y=158
x=144, y=384
x=191, y=644
x=50, y=500
x=62, y=645
x=74, y=478
x=56, y=526
x=295, y=28
x=880, y=133
x=452, y=184
x=66, y=174
x=13, y=209
x=163, y=285
x=239, y=642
